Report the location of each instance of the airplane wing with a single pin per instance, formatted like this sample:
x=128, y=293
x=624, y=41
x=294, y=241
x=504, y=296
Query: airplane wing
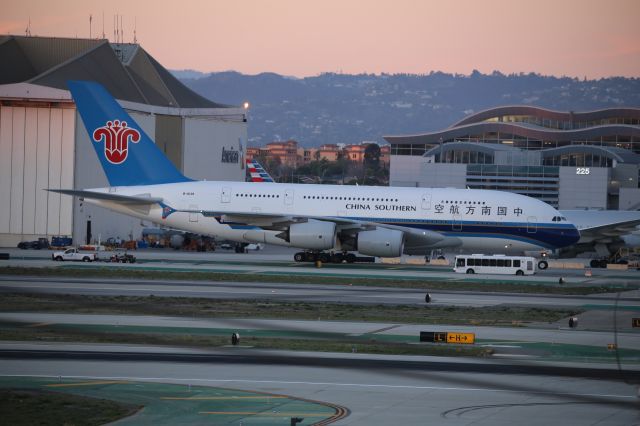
x=124, y=199
x=603, y=226
x=414, y=237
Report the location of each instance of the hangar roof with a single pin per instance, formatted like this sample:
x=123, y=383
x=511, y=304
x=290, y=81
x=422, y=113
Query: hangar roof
x=126, y=70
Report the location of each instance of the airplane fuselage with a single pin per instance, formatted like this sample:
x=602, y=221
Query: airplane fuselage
x=468, y=220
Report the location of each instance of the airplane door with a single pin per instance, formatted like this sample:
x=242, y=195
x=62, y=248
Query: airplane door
x=426, y=201
x=532, y=225
x=288, y=197
x=456, y=223
x=193, y=215
x=226, y=195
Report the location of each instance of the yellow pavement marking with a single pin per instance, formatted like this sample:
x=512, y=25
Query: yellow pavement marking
x=263, y=414
x=95, y=382
x=219, y=398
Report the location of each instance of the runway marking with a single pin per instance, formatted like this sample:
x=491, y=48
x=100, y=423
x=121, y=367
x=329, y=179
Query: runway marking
x=220, y=398
x=360, y=385
x=39, y=324
x=94, y=382
x=263, y=414
x=391, y=327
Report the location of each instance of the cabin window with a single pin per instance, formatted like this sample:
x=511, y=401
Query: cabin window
x=460, y=262
x=516, y=263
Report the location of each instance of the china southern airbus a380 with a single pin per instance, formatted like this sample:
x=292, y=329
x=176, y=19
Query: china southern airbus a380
x=375, y=221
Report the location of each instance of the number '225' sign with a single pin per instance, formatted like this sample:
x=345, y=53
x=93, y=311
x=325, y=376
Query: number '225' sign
x=582, y=170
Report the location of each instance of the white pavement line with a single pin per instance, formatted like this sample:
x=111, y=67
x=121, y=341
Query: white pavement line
x=154, y=289
x=282, y=382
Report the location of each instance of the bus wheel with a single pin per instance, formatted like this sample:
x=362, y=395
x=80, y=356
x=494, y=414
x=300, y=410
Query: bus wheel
x=519, y=272
x=299, y=257
x=470, y=271
x=543, y=264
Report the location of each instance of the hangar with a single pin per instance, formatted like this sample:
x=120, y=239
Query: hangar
x=43, y=143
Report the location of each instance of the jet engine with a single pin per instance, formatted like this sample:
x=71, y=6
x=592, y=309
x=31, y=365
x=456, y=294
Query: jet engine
x=381, y=242
x=311, y=235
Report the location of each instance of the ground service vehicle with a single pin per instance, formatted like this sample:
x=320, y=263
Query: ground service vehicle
x=121, y=256
x=74, y=254
x=494, y=264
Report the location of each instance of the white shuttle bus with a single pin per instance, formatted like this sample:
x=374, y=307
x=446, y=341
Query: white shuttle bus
x=494, y=264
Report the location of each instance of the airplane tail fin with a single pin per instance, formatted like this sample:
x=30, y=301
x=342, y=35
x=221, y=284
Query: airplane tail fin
x=127, y=155
x=257, y=173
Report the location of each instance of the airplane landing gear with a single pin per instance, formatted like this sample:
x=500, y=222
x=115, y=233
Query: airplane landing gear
x=324, y=257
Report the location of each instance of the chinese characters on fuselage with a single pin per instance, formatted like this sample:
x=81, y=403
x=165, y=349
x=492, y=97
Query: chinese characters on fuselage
x=480, y=210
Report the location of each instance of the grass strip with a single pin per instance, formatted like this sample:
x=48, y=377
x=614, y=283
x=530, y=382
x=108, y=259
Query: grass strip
x=345, y=344
x=39, y=407
x=268, y=309
x=79, y=271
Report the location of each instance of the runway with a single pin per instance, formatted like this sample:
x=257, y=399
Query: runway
x=378, y=390
x=304, y=292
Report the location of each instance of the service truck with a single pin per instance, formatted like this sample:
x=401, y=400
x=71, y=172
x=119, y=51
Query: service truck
x=74, y=254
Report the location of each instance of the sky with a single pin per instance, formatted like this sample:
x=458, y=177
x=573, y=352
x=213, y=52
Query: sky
x=575, y=38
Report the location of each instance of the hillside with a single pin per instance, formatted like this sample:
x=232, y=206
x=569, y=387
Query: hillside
x=339, y=108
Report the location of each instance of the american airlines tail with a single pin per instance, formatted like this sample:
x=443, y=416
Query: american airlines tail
x=114, y=133
x=256, y=172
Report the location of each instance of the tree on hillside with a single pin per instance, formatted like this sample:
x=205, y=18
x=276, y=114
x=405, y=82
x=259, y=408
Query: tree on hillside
x=372, y=156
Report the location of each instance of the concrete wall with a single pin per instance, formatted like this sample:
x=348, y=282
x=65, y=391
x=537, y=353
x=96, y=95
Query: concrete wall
x=629, y=199
x=207, y=137
x=405, y=170
x=421, y=172
x=36, y=152
x=579, y=191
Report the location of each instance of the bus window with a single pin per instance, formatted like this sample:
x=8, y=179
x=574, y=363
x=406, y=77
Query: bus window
x=501, y=263
x=507, y=263
x=529, y=265
x=493, y=262
x=460, y=261
x=485, y=262
x=516, y=263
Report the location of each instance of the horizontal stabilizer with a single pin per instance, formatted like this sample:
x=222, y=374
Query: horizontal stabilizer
x=122, y=199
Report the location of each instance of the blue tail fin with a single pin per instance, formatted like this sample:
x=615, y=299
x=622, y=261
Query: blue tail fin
x=128, y=156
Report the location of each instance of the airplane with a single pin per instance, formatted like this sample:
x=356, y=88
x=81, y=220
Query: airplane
x=326, y=221
x=602, y=232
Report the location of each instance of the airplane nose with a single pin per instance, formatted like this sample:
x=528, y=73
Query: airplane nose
x=573, y=235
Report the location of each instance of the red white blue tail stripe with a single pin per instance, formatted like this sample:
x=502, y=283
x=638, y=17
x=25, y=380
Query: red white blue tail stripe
x=257, y=173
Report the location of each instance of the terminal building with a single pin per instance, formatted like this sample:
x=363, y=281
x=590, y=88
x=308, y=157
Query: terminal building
x=43, y=143
x=571, y=160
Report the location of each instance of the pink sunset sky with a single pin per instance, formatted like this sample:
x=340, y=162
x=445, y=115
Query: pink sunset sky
x=577, y=38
